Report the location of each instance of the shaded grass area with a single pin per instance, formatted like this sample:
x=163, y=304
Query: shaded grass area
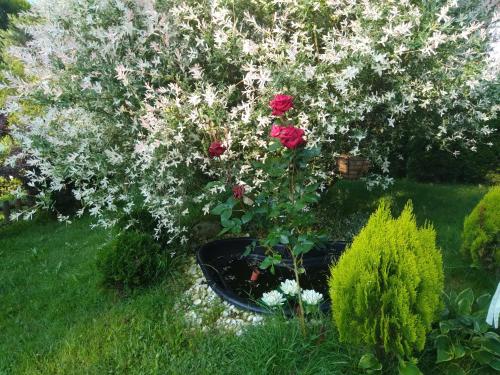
x=56, y=319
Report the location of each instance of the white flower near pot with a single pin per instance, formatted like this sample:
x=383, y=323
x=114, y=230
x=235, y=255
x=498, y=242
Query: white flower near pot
x=494, y=309
x=311, y=297
x=273, y=298
x=290, y=287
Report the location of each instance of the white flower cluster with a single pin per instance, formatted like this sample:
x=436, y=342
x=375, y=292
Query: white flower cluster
x=291, y=289
x=130, y=94
x=205, y=310
x=311, y=297
x=273, y=298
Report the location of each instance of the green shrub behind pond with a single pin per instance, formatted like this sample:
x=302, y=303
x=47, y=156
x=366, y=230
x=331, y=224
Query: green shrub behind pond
x=481, y=236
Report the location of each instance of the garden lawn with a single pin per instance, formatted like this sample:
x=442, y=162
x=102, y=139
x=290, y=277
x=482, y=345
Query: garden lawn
x=56, y=319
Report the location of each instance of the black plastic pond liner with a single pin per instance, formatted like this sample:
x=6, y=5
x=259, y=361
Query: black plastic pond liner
x=215, y=257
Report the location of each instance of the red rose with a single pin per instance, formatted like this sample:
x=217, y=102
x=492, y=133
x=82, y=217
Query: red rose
x=238, y=191
x=291, y=137
x=216, y=149
x=275, y=131
x=280, y=104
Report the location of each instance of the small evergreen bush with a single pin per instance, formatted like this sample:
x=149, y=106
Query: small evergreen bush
x=481, y=235
x=386, y=287
x=131, y=260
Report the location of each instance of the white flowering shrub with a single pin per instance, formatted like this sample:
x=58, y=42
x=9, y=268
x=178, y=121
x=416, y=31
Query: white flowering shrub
x=136, y=91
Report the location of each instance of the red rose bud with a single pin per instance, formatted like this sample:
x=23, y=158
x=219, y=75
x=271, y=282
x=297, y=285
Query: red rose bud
x=291, y=137
x=275, y=131
x=238, y=191
x=216, y=149
x=280, y=104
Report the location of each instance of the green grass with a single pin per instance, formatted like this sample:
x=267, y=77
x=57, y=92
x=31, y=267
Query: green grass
x=56, y=319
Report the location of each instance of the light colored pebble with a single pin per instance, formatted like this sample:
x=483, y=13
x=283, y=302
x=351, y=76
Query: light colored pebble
x=201, y=301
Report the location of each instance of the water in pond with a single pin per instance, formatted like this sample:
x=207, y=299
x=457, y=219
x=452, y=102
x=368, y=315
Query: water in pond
x=235, y=274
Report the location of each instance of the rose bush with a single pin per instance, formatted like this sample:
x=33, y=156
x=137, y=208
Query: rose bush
x=135, y=92
x=281, y=209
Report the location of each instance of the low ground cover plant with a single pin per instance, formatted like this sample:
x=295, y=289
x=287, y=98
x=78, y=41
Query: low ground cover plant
x=463, y=341
x=385, y=289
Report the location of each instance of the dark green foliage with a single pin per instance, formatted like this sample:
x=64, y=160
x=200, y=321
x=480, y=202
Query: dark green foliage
x=463, y=342
x=64, y=202
x=437, y=165
x=133, y=259
x=8, y=7
x=481, y=236
x=386, y=287
x=140, y=220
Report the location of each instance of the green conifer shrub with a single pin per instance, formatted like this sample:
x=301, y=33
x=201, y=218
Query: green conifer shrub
x=386, y=287
x=133, y=259
x=481, y=235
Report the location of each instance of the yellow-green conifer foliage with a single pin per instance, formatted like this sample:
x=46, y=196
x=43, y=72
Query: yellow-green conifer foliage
x=481, y=236
x=386, y=287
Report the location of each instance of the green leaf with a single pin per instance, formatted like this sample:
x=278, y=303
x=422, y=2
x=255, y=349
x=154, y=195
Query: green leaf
x=223, y=231
x=483, y=301
x=495, y=364
x=408, y=368
x=480, y=326
x=369, y=362
x=446, y=326
x=483, y=357
x=458, y=351
x=250, y=248
x=491, y=342
x=444, y=349
x=303, y=247
x=270, y=261
x=247, y=217
x=465, y=299
x=247, y=251
x=231, y=202
x=284, y=239
x=217, y=210
x=454, y=369
x=225, y=215
x=266, y=263
x=211, y=184
x=310, y=198
x=274, y=146
x=299, y=205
